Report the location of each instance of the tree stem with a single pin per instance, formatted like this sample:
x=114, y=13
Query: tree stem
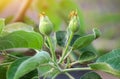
x=67, y=54
x=21, y=12
x=5, y=63
x=13, y=56
x=73, y=63
x=55, y=75
x=76, y=69
x=66, y=49
x=51, y=49
x=70, y=76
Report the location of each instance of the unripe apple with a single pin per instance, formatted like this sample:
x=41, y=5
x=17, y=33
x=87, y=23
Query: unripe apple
x=45, y=26
x=74, y=23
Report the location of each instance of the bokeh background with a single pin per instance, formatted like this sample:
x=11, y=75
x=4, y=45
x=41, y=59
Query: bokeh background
x=103, y=14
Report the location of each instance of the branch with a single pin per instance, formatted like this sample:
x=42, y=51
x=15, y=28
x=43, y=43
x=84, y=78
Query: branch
x=76, y=69
x=22, y=10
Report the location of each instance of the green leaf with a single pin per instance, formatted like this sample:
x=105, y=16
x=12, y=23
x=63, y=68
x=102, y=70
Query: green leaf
x=61, y=37
x=96, y=32
x=28, y=65
x=2, y=24
x=46, y=70
x=14, y=66
x=43, y=69
x=83, y=41
x=89, y=48
x=84, y=49
x=17, y=26
x=75, y=37
x=3, y=71
x=91, y=75
x=87, y=56
x=30, y=75
x=108, y=63
x=21, y=39
x=53, y=73
x=86, y=40
x=113, y=54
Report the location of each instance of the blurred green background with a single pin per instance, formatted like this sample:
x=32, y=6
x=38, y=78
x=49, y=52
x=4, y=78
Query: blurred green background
x=103, y=14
